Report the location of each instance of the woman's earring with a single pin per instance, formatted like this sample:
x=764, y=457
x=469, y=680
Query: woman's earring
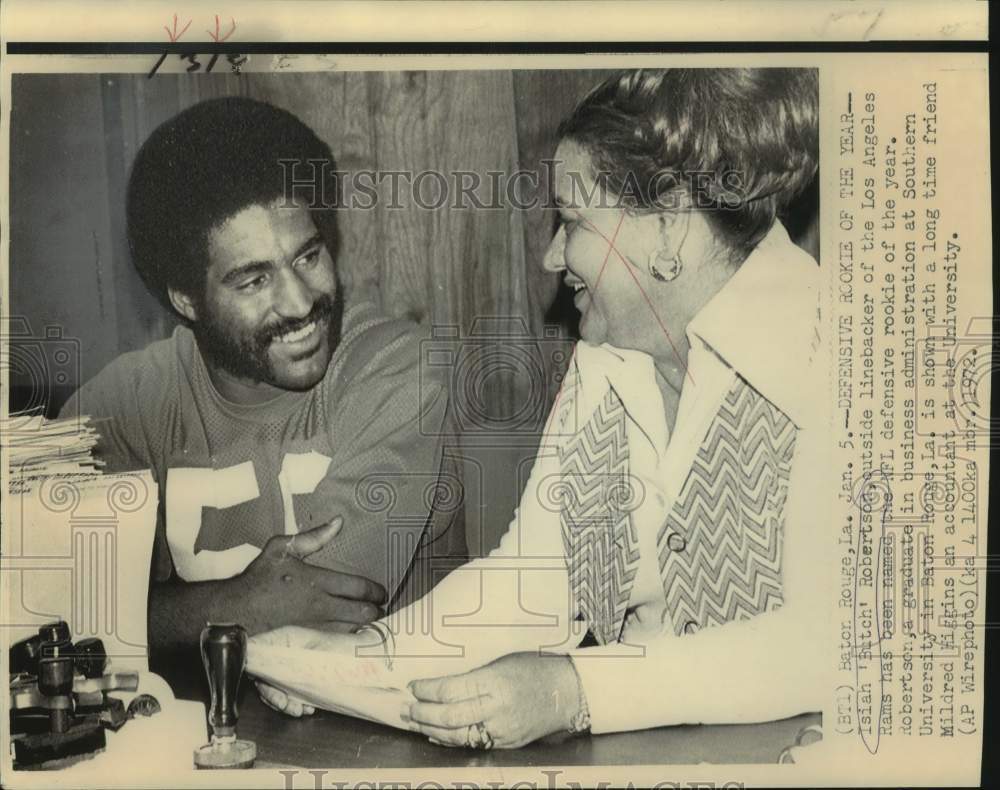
x=663, y=268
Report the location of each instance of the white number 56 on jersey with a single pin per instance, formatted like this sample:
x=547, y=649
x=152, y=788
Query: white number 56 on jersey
x=191, y=489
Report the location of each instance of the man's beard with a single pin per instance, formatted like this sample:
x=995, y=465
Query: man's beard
x=244, y=354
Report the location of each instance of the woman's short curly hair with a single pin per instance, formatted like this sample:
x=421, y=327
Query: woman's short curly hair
x=206, y=164
x=739, y=143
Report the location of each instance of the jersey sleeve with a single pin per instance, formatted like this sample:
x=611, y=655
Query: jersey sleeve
x=114, y=402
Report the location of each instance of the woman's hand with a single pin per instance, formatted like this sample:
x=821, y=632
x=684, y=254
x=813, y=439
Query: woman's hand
x=518, y=699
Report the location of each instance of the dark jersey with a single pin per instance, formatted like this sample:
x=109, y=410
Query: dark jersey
x=363, y=443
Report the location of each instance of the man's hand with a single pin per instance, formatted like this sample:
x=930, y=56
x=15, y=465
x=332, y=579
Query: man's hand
x=518, y=699
x=278, y=588
x=331, y=640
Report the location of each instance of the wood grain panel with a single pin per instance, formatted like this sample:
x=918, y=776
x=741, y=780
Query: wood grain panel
x=355, y=152
x=477, y=261
x=140, y=318
x=403, y=235
x=470, y=122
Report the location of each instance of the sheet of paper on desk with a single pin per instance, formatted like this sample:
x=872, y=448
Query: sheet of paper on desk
x=343, y=683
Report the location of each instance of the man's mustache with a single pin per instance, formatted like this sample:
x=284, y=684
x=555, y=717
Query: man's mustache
x=322, y=309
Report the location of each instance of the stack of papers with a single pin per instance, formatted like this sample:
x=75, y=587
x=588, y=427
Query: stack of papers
x=40, y=448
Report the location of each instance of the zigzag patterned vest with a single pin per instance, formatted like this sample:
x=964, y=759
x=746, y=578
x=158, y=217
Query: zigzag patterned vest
x=719, y=550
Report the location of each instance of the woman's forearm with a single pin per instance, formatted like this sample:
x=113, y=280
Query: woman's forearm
x=765, y=668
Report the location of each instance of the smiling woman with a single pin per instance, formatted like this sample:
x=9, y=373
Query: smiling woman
x=680, y=464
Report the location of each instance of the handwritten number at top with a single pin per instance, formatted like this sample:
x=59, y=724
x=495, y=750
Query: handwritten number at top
x=235, y=62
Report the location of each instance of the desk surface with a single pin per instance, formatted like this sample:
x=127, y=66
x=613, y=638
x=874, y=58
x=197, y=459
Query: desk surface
x=328, y=740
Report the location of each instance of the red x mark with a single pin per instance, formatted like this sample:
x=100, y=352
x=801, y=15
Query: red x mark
x=628, y=268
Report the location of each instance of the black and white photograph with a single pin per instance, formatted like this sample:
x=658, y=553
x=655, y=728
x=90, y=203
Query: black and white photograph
x=260, y=292
x=482, y=417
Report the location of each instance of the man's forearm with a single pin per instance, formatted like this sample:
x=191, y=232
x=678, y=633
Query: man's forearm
x=178, y=611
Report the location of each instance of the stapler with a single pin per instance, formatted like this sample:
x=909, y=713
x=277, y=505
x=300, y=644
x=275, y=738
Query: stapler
x=60, y=703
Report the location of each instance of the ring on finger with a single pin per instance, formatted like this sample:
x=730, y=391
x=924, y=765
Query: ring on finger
x=478, y=737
